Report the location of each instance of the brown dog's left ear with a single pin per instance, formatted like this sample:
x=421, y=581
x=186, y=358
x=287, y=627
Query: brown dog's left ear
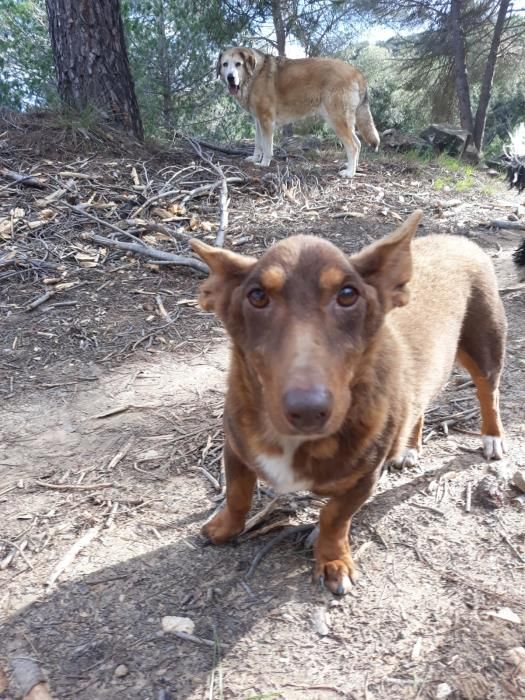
x=387, y=264
x=227, y=271
x=249, y=60
x=218, y=65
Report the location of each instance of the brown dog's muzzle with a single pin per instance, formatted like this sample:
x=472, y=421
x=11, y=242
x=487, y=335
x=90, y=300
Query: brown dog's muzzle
x=308, y=410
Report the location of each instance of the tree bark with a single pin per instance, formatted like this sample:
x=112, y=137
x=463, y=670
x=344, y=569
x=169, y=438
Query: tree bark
x=280, y=30
x=460, y=66
x=488, y=75
x=91, y=60
x=164, y=68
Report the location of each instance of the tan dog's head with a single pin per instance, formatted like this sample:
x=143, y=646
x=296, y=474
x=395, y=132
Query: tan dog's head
x=304, y=317
x=235, y=66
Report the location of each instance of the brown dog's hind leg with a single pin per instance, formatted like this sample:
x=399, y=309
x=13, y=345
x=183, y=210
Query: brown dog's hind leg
x=334, y=566
x=240, y=482
x=481, y=352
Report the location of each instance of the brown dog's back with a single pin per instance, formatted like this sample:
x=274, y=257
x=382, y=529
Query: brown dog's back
x=455, y=313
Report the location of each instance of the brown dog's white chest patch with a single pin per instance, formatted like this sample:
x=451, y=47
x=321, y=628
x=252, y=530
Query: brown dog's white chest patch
x=278, y=469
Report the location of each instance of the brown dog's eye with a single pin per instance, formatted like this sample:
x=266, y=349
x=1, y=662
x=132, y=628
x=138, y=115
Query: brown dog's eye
x=347, y=296
x=258, y=298
x=238, y=64
x=225, y=64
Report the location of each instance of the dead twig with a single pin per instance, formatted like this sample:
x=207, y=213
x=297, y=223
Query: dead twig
x=72, y=552
x=223, y=199
x=148, y=251
x=40, y=300
x=261, y=515
x=287, y=532
x=74, y=487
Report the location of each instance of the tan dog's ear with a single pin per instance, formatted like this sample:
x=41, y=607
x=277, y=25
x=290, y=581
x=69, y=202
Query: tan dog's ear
x=249, y=59
x=387, y=264
x=218, y=67
x=227, y=271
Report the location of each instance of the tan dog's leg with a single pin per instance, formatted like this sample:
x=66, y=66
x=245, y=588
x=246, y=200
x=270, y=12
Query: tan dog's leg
x=333, y=561
x=240, y=482
x=341, y=117
x=266, y=134
x=257, y=153
x=410, y=455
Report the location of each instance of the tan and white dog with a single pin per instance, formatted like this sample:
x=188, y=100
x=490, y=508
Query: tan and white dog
x=281, y=90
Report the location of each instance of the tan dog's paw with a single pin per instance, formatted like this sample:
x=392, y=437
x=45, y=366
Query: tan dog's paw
x=222, y=527
x=337, y=575
x=408, y=458
x=493, y=447
x=253, y=159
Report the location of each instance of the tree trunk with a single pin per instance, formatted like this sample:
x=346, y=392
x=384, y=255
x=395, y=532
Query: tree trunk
x=91, y=60
x=490, y=67
x=164, y=68
x=280, y=36
x=460, y=66
x=280, y=30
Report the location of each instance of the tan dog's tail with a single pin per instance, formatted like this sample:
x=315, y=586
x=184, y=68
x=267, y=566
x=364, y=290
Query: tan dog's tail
x=365, y=123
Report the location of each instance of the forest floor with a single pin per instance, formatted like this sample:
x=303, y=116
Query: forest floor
x=110, y=442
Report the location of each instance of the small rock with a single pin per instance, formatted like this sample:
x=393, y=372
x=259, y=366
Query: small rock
x=416, y=650
x=519, y=501
x=177, y=624
x=505, y=614
x=518, y=479
x=513, y=217
x=321, y=621
x=492, y=173
x=443, y=691
x=121, y=671
x=516, y=656
x=490, y=492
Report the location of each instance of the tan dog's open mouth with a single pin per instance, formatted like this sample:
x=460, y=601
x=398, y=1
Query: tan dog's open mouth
x=233, y=89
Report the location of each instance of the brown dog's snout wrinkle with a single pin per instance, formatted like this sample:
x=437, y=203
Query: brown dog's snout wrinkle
x=308, y=410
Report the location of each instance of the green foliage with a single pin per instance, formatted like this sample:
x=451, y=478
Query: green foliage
x=392, y=105
x=26, y=62
x=172, y=46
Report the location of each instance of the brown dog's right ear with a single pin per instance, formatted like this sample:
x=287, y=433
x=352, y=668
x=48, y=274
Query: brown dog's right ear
x=218, y=68
x=387, y=263
x=227, y=271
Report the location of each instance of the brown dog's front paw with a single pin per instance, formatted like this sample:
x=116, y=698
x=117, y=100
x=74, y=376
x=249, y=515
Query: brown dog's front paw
x=222, y=527
x=337, y=575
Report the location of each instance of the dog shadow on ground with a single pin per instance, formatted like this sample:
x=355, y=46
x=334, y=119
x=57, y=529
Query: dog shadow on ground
x=83, y=630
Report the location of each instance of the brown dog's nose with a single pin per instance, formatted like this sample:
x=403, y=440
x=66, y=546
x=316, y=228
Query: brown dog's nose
x=308, y=409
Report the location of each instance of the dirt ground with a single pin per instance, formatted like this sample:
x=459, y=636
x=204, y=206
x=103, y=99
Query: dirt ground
x=110, y=439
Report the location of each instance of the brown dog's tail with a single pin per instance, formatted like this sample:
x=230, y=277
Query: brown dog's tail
x=365, y=123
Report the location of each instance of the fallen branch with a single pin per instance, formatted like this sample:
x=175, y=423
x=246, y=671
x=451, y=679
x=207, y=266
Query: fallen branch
x=224, y=149
x=27, y=180
x=148, y=251
x=512, y=225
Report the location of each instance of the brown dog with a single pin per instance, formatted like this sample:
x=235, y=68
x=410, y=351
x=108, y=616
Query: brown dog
x=335, y=360
x=281, y=90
